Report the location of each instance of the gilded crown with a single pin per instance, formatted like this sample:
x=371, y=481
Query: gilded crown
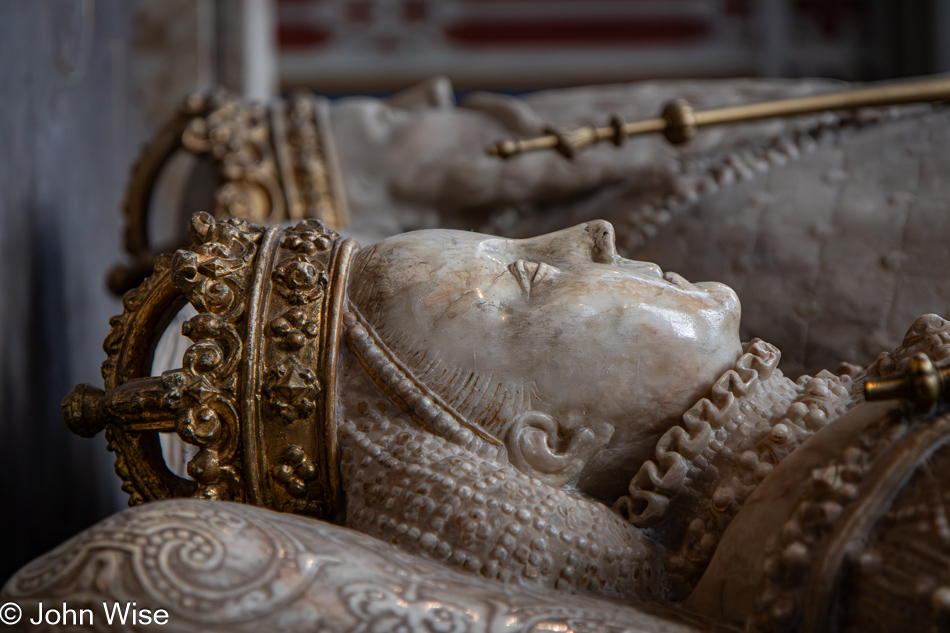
x=256, y=390
x=270, y=163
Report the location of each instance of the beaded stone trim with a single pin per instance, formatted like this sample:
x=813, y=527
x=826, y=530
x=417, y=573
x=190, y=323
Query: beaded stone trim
x=750, y=404
x=702, y=177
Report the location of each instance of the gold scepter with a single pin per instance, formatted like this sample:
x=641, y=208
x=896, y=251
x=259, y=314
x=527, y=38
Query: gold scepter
x=678, y=122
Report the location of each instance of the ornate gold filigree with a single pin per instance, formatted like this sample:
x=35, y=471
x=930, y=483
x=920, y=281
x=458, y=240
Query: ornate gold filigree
x=276, y=161
x=269, y=305
x=238, y=137
x=291, y=390
x=295, y=470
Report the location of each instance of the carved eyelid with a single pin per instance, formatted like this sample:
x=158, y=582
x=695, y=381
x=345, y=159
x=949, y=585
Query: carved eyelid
x=529, y=272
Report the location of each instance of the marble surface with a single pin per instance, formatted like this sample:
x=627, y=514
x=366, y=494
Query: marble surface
x=217, y=566
x=826, y=226
x=489, y=477
x=418, y=160
x=827, y=240
x=576, y=342
x=833, y=240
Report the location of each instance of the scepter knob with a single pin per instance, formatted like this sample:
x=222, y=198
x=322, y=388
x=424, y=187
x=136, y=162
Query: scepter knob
x=923, y=385
x=680, y=121
x=82, y=412
x=504, y=149
x=569, y=142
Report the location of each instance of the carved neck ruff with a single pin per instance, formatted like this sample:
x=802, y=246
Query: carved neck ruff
x=706, y=467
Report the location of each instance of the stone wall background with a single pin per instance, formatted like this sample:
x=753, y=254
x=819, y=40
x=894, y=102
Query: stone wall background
x=345, y=46
x=83, y=85
x=68, y=133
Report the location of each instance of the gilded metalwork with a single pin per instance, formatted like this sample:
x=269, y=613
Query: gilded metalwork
x=277, y=162
x=679, y=122
x=922, y=386
x=828, y=559
x=291, y=390
x=270, y=309
x=295, y=470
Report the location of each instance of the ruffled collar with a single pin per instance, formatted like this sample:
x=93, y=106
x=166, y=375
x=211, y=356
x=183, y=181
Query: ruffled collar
x=705, y=468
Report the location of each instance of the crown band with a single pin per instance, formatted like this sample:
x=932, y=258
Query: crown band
x=256, y=392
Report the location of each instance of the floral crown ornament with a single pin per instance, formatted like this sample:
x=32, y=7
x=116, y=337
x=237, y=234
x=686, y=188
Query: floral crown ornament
x=256, y=390
x=274, y=162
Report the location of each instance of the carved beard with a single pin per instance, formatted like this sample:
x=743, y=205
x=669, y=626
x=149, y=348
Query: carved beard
x=444, y=502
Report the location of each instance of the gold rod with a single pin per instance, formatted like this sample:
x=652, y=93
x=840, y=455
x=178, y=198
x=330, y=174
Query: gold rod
x=875, y=96
x=679, y=122
x=638, y=127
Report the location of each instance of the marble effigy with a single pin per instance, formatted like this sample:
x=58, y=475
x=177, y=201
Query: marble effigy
x=524, y=432
x=776, y=209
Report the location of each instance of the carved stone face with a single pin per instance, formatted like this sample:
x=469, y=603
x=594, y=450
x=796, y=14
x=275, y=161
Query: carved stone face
x=609, y=350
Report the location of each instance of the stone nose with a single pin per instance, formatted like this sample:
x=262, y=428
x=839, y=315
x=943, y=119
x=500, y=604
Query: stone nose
x=604, y=241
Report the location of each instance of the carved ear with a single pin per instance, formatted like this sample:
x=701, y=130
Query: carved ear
x=537, y=446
